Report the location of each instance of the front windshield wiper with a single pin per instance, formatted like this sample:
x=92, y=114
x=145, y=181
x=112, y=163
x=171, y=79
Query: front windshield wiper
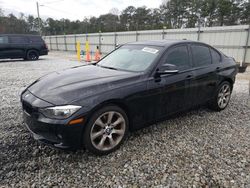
x=112, y=68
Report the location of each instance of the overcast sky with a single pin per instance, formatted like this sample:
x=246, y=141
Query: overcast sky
x=71, y=9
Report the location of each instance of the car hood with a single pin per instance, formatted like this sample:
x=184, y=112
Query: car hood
x=77, y=83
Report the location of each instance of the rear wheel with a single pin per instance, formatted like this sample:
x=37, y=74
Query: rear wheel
x=32, y=55
x=106, y=130
x=222, y=97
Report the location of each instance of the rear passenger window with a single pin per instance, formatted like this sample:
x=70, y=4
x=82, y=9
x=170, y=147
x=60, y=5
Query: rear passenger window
x=35, y=39
x=18, y=40
x=215, y=56
x=179, y=56
x=201, y=55
x=3, y=40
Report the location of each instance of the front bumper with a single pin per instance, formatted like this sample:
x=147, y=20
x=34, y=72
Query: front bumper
x=56, y=133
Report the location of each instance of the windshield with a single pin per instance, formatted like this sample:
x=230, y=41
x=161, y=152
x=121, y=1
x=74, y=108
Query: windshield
x=131, y=58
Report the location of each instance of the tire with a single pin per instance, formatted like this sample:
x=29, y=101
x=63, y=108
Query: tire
x=106, y=130
x=222, y=97
x=32, y=55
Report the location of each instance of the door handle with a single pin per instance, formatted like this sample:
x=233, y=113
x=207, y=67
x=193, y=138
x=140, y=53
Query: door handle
x=190, y=76
x=218, y=68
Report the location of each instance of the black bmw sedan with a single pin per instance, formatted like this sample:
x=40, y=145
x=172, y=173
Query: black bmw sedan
x=94, y=106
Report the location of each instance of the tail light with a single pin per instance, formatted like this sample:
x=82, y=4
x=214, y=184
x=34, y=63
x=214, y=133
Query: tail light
x=45, y=45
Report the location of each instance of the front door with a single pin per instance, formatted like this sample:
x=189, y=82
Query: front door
x=171, y=92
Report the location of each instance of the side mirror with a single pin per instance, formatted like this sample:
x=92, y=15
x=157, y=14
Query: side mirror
x=167, y=69
x=117, y=46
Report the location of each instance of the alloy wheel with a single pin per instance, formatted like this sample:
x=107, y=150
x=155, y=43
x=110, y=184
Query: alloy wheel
x=108, y=130
x=33, y=56
x=224, y=96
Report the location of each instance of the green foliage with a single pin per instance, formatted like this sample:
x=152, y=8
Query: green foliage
x=11, y=24
x=245, y=16
x=209, y=11
x=170, y=14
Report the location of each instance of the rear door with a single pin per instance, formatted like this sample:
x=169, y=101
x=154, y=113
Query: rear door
x=205, y=73
x=4, y=47
x=18, y=45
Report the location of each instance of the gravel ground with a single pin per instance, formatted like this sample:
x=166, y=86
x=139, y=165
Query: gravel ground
x=198, y=148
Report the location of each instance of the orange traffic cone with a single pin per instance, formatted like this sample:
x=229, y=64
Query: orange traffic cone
x=97, y=54
x=88, y=57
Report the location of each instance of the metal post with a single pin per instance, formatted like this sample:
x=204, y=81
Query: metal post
x=39, y=20
x=136, y=36
x=50, y=43
x=246, y=47
x=57, y=44
x=199, y=32
x=75, y=43
x=115, y=40
x=199, y=27
x=163, y=33
x=65, y=43
x=86, y=36
x=100, y=41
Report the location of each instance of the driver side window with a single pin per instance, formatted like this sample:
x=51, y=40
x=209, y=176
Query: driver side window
x=179, y=57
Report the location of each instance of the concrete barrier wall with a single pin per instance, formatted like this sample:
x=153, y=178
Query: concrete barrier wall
x=232, y=40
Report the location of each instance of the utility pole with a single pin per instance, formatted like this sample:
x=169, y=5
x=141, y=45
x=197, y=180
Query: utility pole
x=199, y=26
x=39, y=20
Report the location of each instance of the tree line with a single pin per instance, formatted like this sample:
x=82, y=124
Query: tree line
x=170, y=14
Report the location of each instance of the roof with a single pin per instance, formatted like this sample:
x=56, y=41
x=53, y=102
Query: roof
x=27, y=35
x=164, y=43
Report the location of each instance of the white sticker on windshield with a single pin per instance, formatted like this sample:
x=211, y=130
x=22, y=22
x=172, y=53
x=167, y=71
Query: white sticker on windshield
x=150, y=50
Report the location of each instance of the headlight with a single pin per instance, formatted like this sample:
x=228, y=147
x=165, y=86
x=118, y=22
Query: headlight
x=59, y=112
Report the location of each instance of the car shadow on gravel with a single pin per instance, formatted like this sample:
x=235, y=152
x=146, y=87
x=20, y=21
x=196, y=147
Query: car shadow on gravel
x=164, y=123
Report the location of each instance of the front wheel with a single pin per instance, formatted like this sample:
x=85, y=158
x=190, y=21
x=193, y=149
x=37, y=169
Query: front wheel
x=222, y=97
x=106, y=130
